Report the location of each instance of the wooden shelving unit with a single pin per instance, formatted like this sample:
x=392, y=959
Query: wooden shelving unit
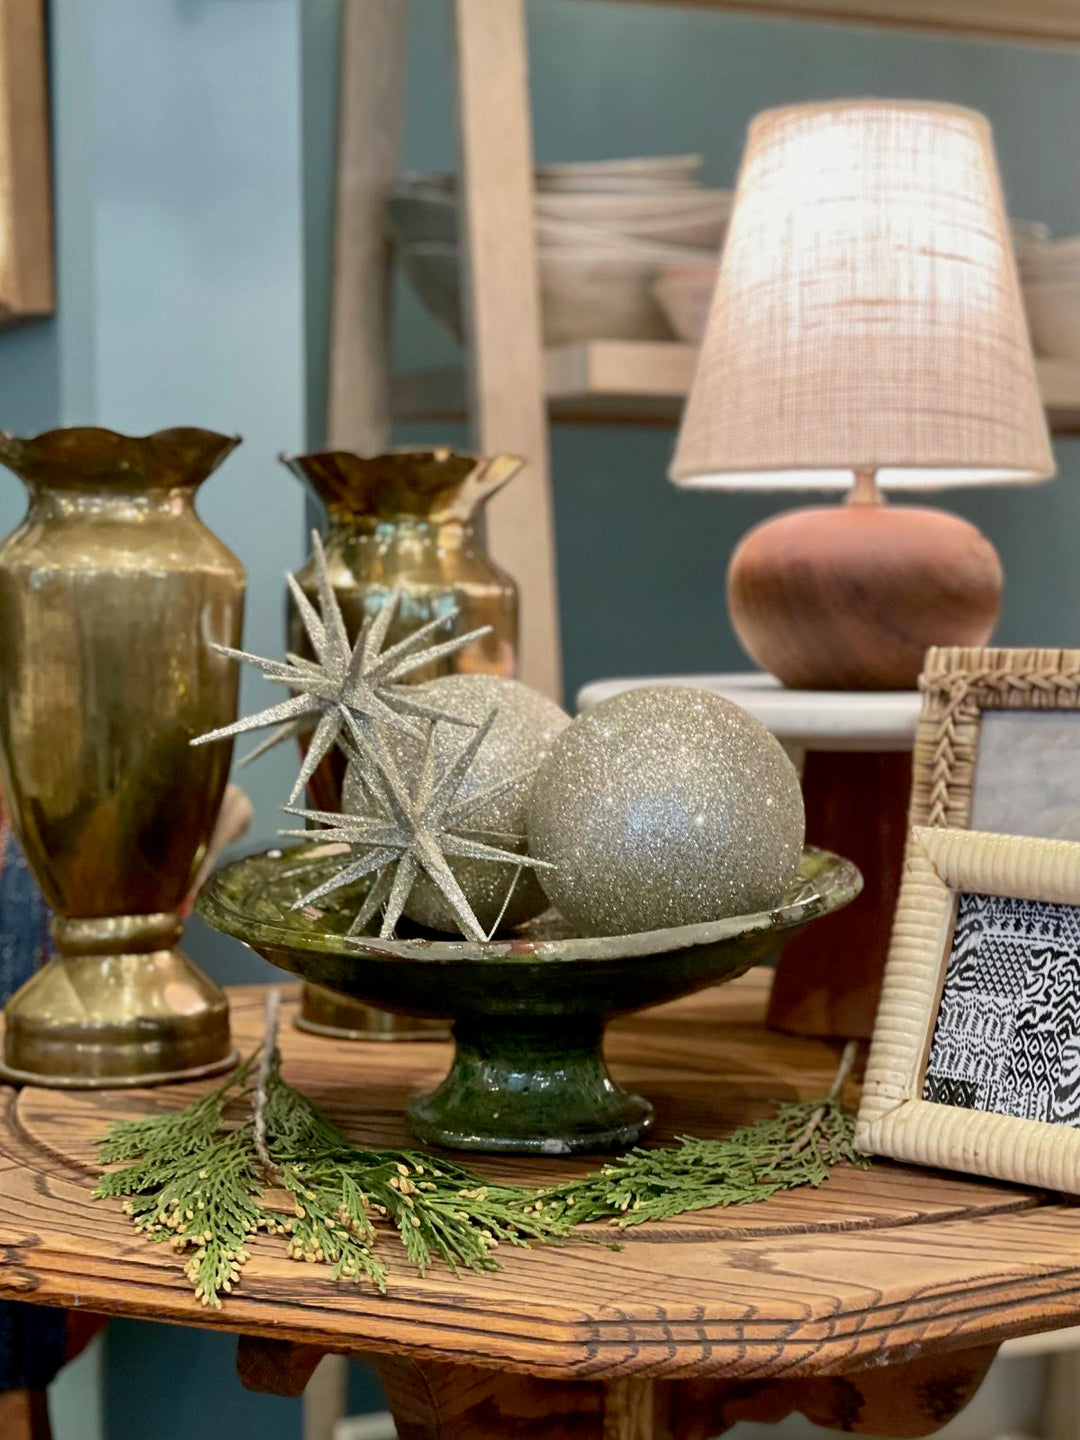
x=641, y=382
x=509, y=388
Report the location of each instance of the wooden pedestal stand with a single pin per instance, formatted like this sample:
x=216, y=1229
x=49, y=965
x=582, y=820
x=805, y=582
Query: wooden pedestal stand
x=829, y=983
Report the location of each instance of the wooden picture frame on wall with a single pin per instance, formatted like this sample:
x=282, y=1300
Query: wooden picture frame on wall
x=997, y=746
x=26, y=232
x=974, y=1062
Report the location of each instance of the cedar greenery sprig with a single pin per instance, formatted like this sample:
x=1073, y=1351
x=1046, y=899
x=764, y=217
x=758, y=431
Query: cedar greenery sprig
x=439, y=1210
x=207, y=1188
x=192, y=1184
x=180, y=1131
x=796, y=1146
x=207, y=1185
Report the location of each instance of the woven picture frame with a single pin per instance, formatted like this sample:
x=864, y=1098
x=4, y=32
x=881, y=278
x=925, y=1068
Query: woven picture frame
x=958, y=684
x=894, y=1119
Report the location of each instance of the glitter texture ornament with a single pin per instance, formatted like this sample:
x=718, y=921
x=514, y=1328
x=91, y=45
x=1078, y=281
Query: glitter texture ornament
x=362, y=680
x=524, y=726
x=665, y=806
x=408, y=829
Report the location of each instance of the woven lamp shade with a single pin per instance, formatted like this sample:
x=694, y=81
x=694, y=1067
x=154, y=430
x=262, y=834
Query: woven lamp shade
x=867, y=313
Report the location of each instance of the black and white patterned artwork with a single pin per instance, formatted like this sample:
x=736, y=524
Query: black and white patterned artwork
x=1007, y=1036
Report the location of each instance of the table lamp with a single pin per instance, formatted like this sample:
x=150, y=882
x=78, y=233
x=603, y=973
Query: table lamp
x=866, y=334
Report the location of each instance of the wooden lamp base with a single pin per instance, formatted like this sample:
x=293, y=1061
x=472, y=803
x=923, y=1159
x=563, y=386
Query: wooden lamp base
x=849, y=597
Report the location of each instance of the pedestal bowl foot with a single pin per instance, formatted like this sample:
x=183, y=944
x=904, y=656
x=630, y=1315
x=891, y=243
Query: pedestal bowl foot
x=530, y=1089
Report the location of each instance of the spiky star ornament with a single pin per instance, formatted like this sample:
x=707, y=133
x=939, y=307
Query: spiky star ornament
x=346, y=686
x=411, y=831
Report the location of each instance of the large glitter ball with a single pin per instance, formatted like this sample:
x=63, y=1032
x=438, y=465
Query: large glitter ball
x=665, y=806
x=525, y=726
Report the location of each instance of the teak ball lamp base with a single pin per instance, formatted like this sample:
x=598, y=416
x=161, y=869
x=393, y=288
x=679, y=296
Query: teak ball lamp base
x=850, y=597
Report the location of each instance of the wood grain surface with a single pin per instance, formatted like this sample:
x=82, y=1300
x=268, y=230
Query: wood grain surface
x=434, y=1402
x=849, y=597
x=504, y=342
x=870, y=1269
x=24, y=1415
x=374, y=36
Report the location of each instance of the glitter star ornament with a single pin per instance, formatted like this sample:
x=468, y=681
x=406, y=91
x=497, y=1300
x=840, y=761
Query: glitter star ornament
x=518, y=738
x=665, y=806
x=408, y=830
x=360, y=680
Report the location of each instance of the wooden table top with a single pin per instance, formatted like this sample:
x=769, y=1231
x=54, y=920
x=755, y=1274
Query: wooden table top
x=862, y=1271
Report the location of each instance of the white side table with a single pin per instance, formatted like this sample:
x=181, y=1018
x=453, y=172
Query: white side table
x=854, y=750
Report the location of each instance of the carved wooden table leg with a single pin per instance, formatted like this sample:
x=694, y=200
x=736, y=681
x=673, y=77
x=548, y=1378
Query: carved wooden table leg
x=432, y=1401
x=637, y=1409
x=440, y=1402
x=904, y=1400
x=24, y=1415
x=462, y=1402
x=276, y=1367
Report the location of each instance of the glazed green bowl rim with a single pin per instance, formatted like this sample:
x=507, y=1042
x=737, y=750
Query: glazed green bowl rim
x=826, y=882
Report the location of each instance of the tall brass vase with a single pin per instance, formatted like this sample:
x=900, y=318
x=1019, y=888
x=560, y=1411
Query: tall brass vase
x=111, y=592
x=408, y=519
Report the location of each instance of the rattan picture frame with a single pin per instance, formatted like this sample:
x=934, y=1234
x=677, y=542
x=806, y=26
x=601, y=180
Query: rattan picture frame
x=894, y=1120
x=958, y=685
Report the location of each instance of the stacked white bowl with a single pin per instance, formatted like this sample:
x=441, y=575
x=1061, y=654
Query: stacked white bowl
x=1050, y=277
x=605, y=230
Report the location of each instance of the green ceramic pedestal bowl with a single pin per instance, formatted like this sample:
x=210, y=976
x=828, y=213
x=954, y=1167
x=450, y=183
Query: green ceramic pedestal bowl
x=528, y=1011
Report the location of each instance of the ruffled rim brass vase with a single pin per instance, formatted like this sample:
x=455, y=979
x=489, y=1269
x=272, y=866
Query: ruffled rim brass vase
x=406, y=518
x=111, y=593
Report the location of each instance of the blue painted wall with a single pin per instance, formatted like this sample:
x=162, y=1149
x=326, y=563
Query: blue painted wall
x=198, y=222
x=180, y=266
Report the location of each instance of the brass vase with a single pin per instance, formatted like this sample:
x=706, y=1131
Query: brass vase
x=111, y=592
x=405, y=519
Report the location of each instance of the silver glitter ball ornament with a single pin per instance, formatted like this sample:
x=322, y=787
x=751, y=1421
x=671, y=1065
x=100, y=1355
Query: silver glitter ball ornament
x=526, y=724
x=665, y=806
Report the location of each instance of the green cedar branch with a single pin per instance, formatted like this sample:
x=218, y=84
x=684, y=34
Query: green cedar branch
x=205, y=1182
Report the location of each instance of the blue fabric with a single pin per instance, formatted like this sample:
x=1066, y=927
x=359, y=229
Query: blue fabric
x=33, y=1338
x=24, y=917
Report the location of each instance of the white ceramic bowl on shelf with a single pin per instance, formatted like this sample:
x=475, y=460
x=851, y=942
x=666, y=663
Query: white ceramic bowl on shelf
x=1029, y=235
x=1053, y=310
x=634, y=174
x=432, y=219
x=585, y=294
x=604, y=231
x=697, y=228
x=618, y=185
x=701, y=229
x=629, y=174
x=1057, y=272
x=684, y=293
x=617, y=209
x=1045, y=261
